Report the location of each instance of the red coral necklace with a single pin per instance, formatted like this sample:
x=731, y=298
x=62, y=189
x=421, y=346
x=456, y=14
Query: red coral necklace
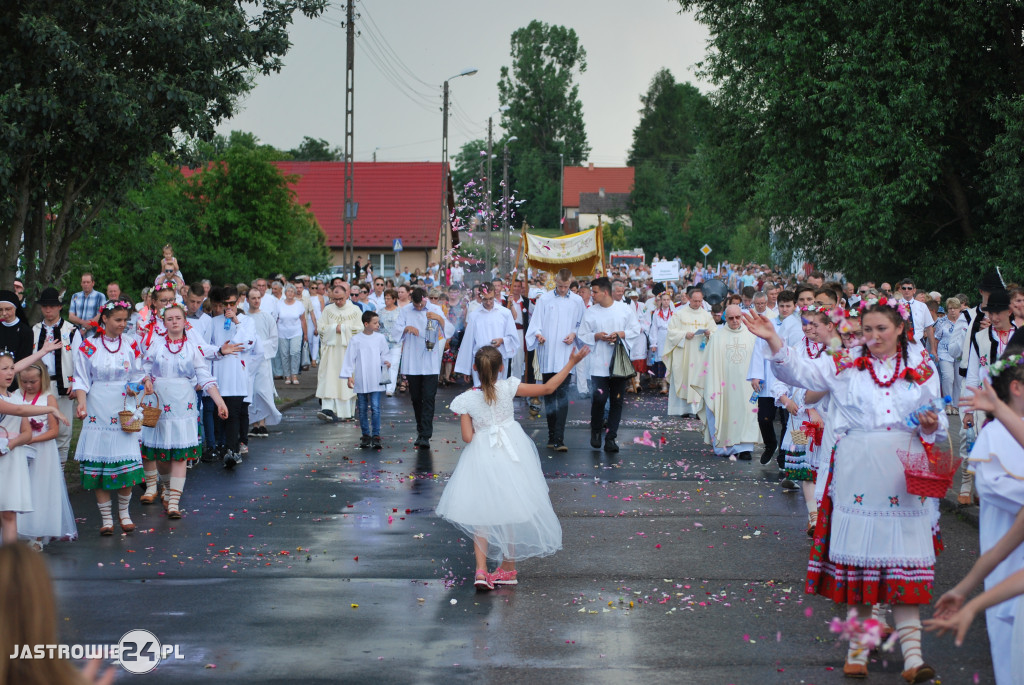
x=869, y=363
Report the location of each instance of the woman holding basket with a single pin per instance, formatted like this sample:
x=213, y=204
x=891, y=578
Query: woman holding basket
x=173, y=367
x=107, y=374
x=874, y=542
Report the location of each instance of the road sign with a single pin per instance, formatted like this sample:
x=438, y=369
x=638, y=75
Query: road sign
x=706, y=250
x=397, y=245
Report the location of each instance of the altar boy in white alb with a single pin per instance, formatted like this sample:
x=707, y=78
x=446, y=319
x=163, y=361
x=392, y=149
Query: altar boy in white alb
x=488, y=325
x=552, y=336
x=365, y=366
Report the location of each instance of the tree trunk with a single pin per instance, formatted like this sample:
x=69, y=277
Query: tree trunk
x=960, y=203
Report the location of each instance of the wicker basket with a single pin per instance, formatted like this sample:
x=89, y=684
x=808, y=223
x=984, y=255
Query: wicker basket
x=799, y=437
x=129, y=424
x=151, y=413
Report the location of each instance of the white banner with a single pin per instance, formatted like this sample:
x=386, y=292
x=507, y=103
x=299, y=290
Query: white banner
x=565, y=250
x=665, y=270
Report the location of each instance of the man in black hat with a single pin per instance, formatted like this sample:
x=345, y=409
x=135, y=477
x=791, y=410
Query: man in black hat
x=986, y=347
x=60, y=364
x=15, y=334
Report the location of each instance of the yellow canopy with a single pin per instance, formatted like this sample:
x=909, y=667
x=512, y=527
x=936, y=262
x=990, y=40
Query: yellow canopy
x=582, y=252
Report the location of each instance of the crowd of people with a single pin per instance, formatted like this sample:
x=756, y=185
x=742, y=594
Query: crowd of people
x=833, y=378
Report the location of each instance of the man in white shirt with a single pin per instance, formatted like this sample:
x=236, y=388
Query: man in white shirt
x=920, y=317
x=458, y=273
x=488, y=325
x=606, y=322
x=419, y=364
x=552, y=335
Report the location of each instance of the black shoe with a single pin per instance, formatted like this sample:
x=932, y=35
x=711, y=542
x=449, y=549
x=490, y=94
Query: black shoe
x=326, y=415
x=745, y=455
x=610, y=445
x=231, y=460
x=376, y=443
x=422, y=442
x=595, y=439
x=209, y=455
x=254, y=432
x=787, y=484
x=364, y=442
x=552, y=443
x=560, y=447
x=767, y=456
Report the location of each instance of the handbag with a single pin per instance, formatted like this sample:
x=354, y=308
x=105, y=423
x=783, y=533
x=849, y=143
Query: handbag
x=620, y=365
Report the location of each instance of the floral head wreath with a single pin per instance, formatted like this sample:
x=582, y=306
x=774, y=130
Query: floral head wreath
x=996, y=368
x=901, y=307
x=166, y=285
x=117, y=304
x=163, y=310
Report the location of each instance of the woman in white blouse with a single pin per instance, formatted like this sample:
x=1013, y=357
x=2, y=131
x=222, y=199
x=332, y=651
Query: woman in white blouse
x=291, y=331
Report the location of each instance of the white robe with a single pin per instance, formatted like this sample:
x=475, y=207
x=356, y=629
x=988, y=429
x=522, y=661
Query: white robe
x=263, y=407
x=997, y=461
x=731, y=424
x=364, y=363
x=684, y=360
x=483, y=326
x=334, y=392
x=554, y=318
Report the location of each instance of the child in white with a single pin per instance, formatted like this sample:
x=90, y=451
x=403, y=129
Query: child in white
x=497, y=493
x=364, y=365
x=51, y=516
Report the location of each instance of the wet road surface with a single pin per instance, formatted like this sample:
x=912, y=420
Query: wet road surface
x=317, y=562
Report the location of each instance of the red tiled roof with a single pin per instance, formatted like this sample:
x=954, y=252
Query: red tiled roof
x=588, y=179
x=396, y=200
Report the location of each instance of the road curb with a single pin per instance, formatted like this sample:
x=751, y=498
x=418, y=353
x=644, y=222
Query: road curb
x=967, y=513
x=290, y=404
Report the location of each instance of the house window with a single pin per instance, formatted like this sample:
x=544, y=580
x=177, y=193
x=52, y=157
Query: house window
x=383, y=264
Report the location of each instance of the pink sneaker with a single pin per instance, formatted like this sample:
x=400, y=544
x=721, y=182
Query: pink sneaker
x=483, y=581
x=503, y=577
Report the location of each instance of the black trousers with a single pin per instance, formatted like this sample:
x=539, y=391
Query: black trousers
x=784, y=421
x=528, y=374
x=766, y=422
x=603, y=390
x=230, y=427
x=556, y=407
x=422, y=390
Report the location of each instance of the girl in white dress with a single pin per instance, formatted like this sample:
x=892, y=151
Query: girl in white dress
x=174, y=365
x=15, y=432
x=107, y=368
x=497, y=493
x=51, y=516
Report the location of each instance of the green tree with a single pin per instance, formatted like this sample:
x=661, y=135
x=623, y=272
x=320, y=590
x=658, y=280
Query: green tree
x=90, y=90
x=230, y=221
x=544, y=113
x=878, y=138
x=673, y=121
x=316, y=150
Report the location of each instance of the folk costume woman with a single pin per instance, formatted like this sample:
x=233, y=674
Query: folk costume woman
x=106, y=365
x=874, y=541
x=173, y=367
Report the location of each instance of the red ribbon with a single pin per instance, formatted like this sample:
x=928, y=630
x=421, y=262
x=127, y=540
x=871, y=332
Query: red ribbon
x=814, y=433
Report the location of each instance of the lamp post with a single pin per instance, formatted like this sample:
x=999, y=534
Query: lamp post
x=490, y=199
x=561, y=190
x=506, y=246
x=445, y=216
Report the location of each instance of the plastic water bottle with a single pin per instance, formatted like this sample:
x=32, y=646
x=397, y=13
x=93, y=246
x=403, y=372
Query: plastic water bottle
x=753, y=398
x=970, y=435
x=936, y=405
x=703, y=343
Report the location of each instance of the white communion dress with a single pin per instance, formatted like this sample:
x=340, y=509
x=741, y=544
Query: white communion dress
x=498, y=490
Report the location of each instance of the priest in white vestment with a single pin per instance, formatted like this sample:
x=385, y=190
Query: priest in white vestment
x=690, y=325
x=339, y=321
x=730, y=422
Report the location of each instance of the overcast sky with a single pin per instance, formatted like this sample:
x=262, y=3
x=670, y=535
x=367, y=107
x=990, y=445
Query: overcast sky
x=407, y=48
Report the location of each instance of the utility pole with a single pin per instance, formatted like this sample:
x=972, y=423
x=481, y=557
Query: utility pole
x=490, y=201
x=445, y=216
x=561, y=190
x=505, y=217
x=348, y=232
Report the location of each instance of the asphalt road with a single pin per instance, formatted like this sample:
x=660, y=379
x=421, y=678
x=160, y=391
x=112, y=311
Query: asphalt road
x=317, y=562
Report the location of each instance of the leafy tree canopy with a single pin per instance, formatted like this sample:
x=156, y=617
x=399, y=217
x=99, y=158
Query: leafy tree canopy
x=91, y=90
x=544, y=113
x=878, y=138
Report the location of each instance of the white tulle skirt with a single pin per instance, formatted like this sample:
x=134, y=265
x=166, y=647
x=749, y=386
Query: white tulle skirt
x=498, y=492
x=51, y=516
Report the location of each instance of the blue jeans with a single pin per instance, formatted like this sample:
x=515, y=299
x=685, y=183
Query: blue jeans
x=288, y=350
x=368, y=402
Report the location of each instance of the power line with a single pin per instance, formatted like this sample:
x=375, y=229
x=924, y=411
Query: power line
x=376, y=29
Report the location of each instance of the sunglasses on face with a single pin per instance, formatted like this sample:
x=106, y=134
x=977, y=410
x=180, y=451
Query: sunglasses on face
x=232, y=303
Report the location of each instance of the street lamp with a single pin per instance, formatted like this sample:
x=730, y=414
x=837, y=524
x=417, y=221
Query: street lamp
x=490, y=198
x=445, y=217
x=506, y=244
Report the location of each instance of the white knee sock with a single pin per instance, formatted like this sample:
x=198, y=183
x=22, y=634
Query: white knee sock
x=857, y=652
x=807, y=486
x=149, y=468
